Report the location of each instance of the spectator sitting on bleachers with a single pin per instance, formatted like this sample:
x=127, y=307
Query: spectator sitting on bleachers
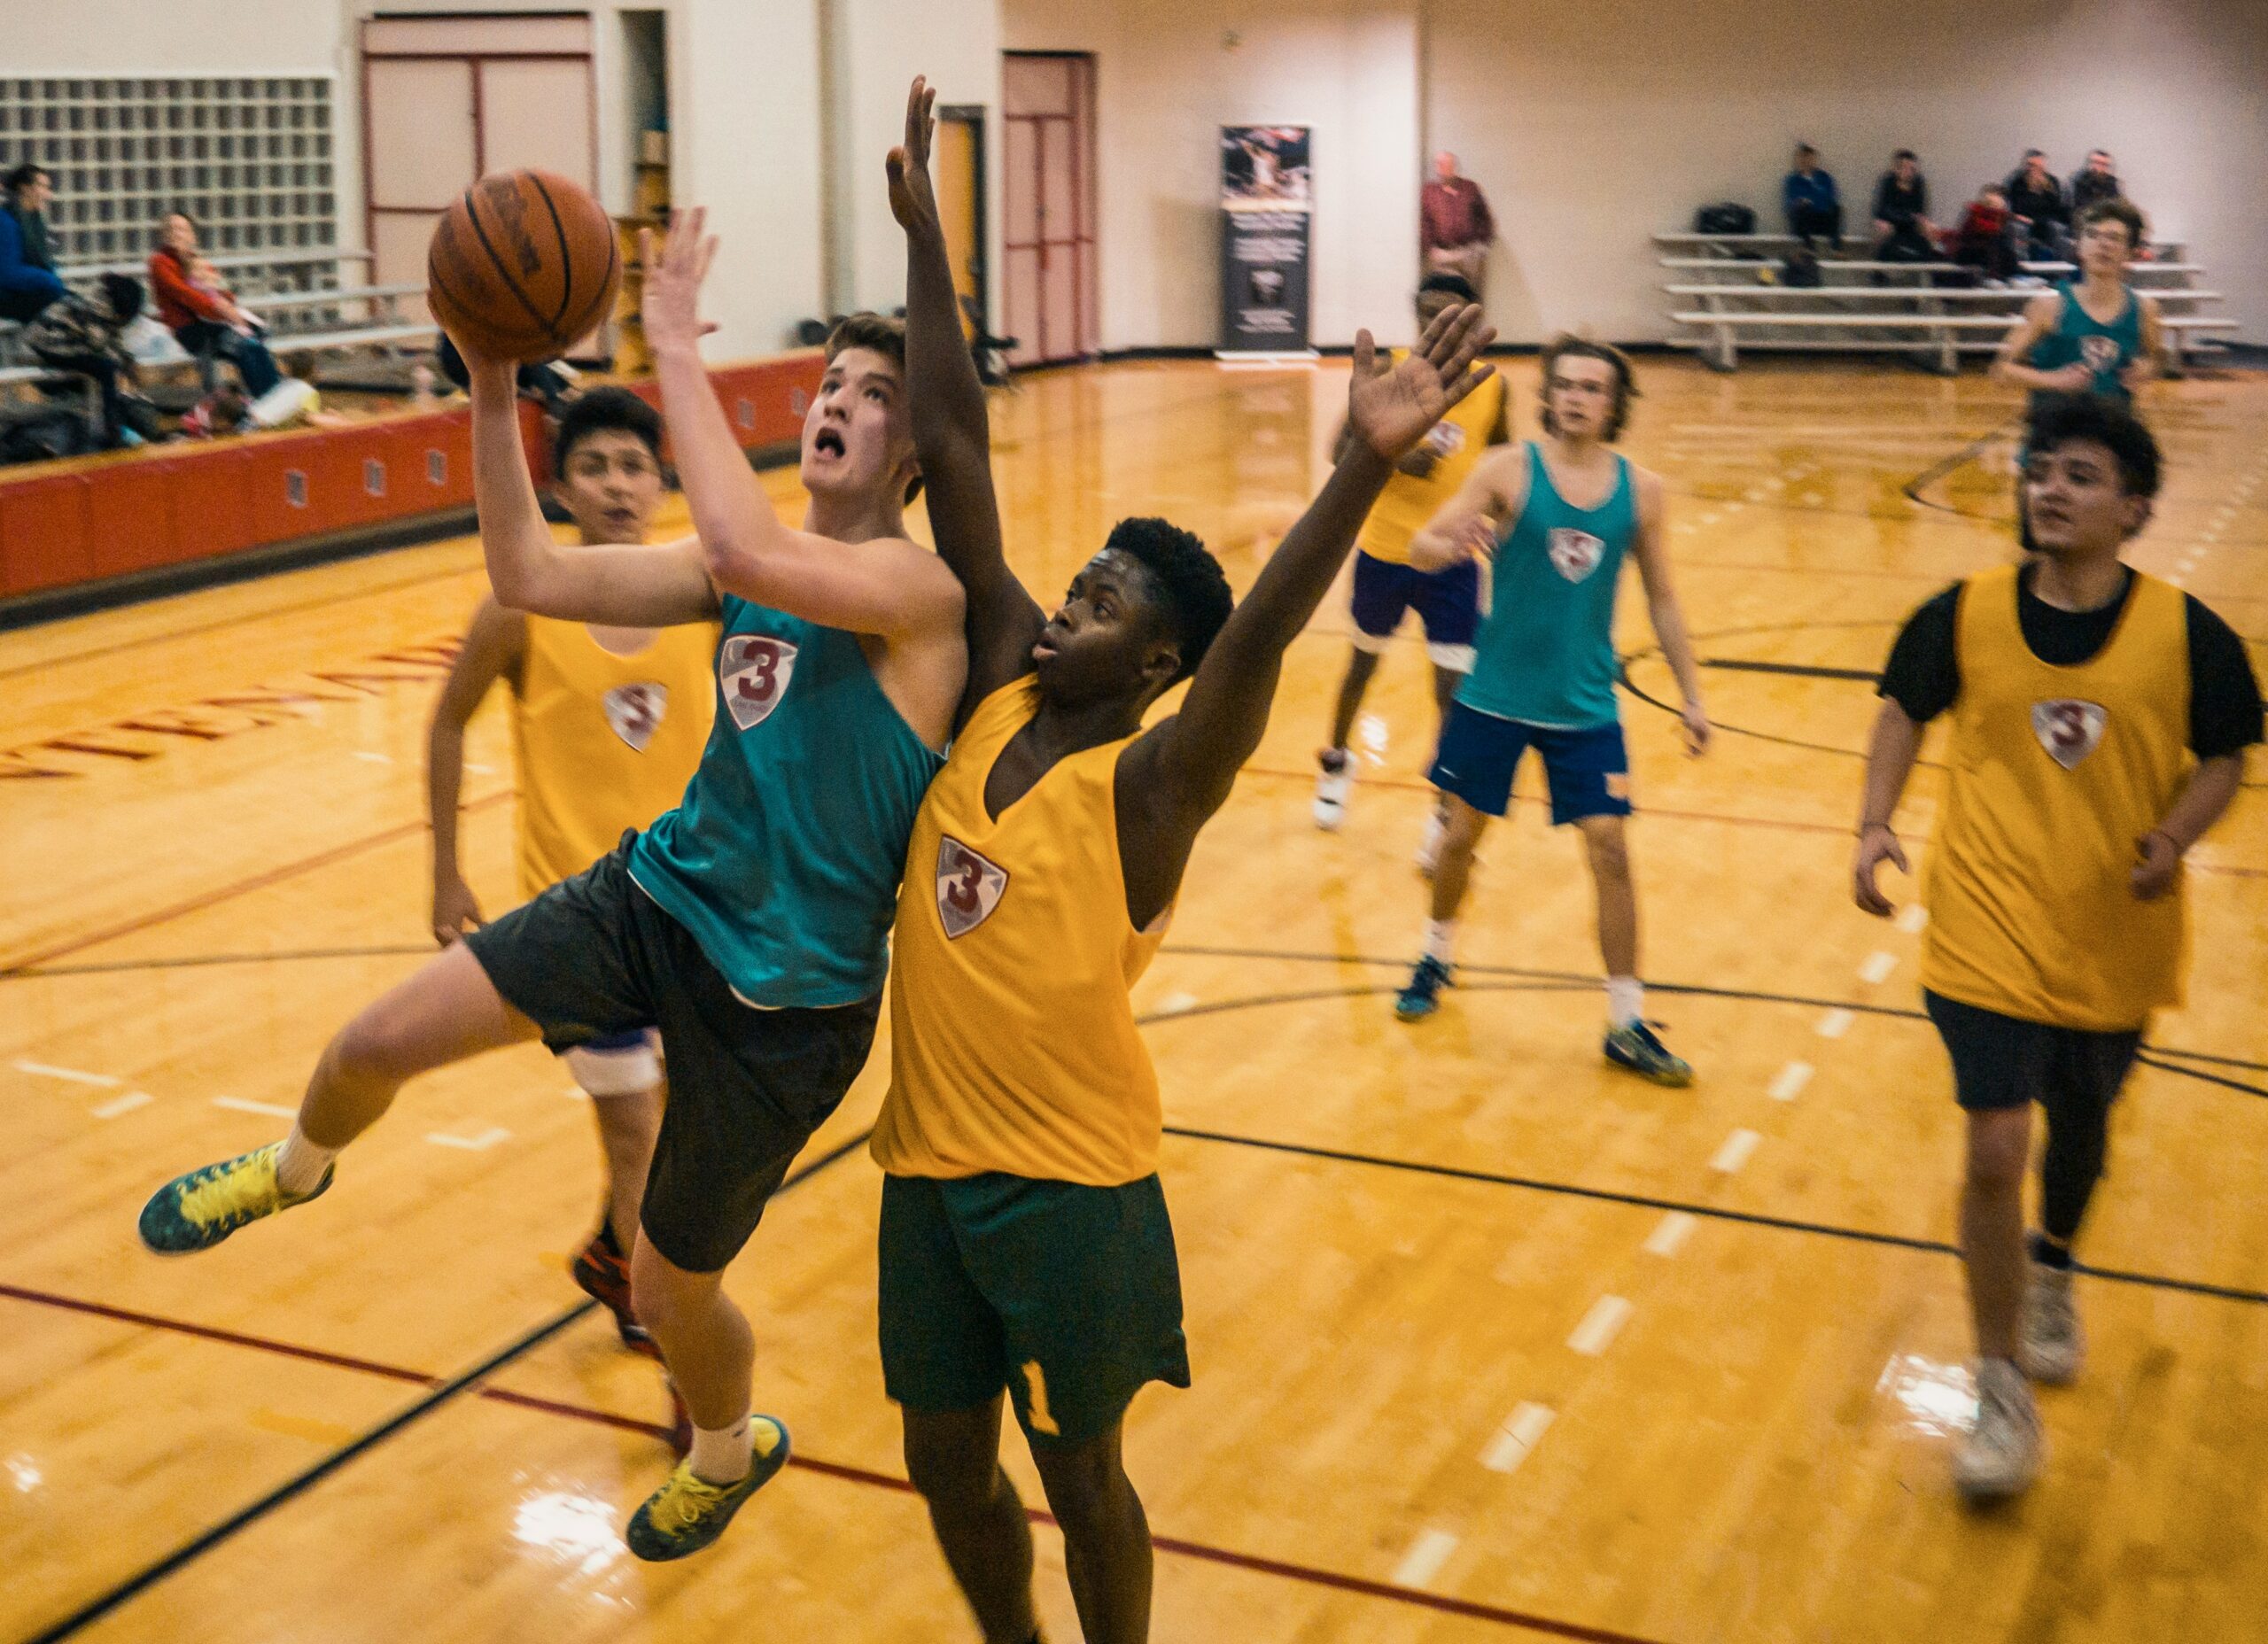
x=209, y=324
x=1903, y=230
x=2097, y=183
x=2043, y=215
x=1986, y=239
x=29, y=282
x=85, y=335
x=1809, y=198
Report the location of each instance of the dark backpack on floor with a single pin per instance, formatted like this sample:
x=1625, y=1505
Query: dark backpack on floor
x=1725, y=217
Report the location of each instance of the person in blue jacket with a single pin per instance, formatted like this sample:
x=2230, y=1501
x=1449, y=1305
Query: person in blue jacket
x=1808, y=197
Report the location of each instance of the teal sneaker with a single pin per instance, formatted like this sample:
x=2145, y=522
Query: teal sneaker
x=689, y=1512
x=1636, y=1048
x=197, y=1210
x=1422, y=997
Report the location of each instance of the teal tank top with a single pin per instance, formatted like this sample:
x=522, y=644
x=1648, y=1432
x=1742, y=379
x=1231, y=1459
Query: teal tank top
x=1545, y=652
x=783, y=859
x=2079, y=336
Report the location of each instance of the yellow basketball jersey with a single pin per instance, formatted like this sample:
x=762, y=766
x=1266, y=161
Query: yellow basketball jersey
x=1407, y=504
x=1012, y=1043
x=2055, y=772
x=605, y=742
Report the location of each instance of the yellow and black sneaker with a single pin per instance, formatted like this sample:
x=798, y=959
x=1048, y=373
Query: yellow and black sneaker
x=689, y=1512
x=197, y=1210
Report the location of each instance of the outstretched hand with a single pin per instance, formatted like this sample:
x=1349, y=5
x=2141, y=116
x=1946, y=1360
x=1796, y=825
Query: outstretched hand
x=912, y=200
x=1390, y=407
x=675, y=268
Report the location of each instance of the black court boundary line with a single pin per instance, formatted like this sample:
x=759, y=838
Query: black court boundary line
x=191, y=961
x=1858, y=1007
x=150, y=1574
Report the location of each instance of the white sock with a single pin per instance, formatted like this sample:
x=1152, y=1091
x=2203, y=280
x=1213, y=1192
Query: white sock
x=299, y=1166
x=1626, y=1000
x=722, y=1454
x=1441, y=936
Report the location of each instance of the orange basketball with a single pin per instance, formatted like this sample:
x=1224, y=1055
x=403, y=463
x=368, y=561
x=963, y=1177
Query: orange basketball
x=522, y=265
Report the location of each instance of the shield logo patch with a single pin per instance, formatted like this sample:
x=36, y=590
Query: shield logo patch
x=2069, y=730
x=635, y=711
x=1574, y=553
x=969, y=887
x=2099, y=352
x=754, y=671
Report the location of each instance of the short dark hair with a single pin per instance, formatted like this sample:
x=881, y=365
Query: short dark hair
x=23, y=177
x=1455, y=284
x=1806, y=148
x=2061, y=418
x=2116, y=210
x=1904, y=154
x=598, y=410
x=1197, y=597
x=1568, y=345
x=885, y=336
x=123, y=293
x=2031, y=154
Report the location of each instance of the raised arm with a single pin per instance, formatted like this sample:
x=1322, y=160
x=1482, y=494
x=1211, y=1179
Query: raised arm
x=884, y=586
x=1662, y=607
x=1193, y=758
x=951, y=431
x=494, y=649
x=627, y=584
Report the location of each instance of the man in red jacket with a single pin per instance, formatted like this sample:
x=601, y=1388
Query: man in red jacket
x=1454, y=226
x=205, y=320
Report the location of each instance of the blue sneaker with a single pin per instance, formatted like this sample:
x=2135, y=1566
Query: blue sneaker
x=1422, y=997
x=1636, y=1048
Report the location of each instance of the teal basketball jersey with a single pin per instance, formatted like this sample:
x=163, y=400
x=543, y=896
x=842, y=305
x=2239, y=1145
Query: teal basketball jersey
x=784, y=858
x=1545, y=652
x=2079, y=337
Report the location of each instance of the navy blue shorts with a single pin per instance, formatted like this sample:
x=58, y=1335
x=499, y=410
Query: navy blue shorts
x=1588, y=769
x=1448, y=602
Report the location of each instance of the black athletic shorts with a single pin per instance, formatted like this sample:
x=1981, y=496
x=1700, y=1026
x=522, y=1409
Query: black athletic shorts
x=2004, y=1061
x=594, y=955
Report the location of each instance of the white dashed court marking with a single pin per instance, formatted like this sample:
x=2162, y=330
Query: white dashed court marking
x=1913, y=918
x=486, y=1139
x=1424, y=1559
x=1791, y=1083
x=1522, y=1431
x=46, y=1071
x=1668, y=1236
x=125, y=1104
x=1175, y=1004
x=1835, y=1023
x=365, y=755
x=1877, y=968
x=238, y=1105
x=1600, y=1326
x=1739, y=1148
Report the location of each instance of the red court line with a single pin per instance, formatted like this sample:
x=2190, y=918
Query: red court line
x=258, y=881
x=1306, y=1575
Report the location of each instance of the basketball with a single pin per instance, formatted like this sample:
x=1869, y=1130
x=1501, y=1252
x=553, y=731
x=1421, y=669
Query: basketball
x=523, y=264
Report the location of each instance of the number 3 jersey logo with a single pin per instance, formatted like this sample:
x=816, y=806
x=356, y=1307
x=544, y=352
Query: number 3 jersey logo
x=754, y=671
x=1574, y=553
x=2068, y=729
x=969, y=887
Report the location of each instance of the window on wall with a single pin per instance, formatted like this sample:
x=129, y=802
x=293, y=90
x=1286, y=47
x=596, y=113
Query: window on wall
x=251, y=158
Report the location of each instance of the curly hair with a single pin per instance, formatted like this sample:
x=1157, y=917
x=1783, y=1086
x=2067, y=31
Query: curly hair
x=1196, y=594
x=603, y=408
x=2061, y=418
x=2115, y=210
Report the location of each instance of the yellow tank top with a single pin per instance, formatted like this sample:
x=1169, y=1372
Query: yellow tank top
x=1013, y=1042
x=604, y=742
x=1407, y=504
x=2055, y=772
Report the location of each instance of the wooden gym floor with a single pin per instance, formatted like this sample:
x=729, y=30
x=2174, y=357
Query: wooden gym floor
x=1490, y=1342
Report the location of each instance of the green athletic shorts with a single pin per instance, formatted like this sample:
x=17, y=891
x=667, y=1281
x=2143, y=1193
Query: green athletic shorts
x=1067, y=1296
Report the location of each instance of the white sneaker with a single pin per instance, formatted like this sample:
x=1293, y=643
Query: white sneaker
x=2051, y=1346
x=1429, y=848
x=2001, y=1455
x=1332, y=788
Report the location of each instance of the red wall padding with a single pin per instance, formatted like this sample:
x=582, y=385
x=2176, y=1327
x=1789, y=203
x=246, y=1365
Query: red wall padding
x=83, y=519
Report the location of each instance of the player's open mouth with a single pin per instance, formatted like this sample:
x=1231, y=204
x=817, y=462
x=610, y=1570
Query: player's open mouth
x=827, y=442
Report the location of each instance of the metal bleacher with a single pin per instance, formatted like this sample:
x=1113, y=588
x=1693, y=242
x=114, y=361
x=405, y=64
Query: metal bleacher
x=305, y=299
x=1728, y=292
